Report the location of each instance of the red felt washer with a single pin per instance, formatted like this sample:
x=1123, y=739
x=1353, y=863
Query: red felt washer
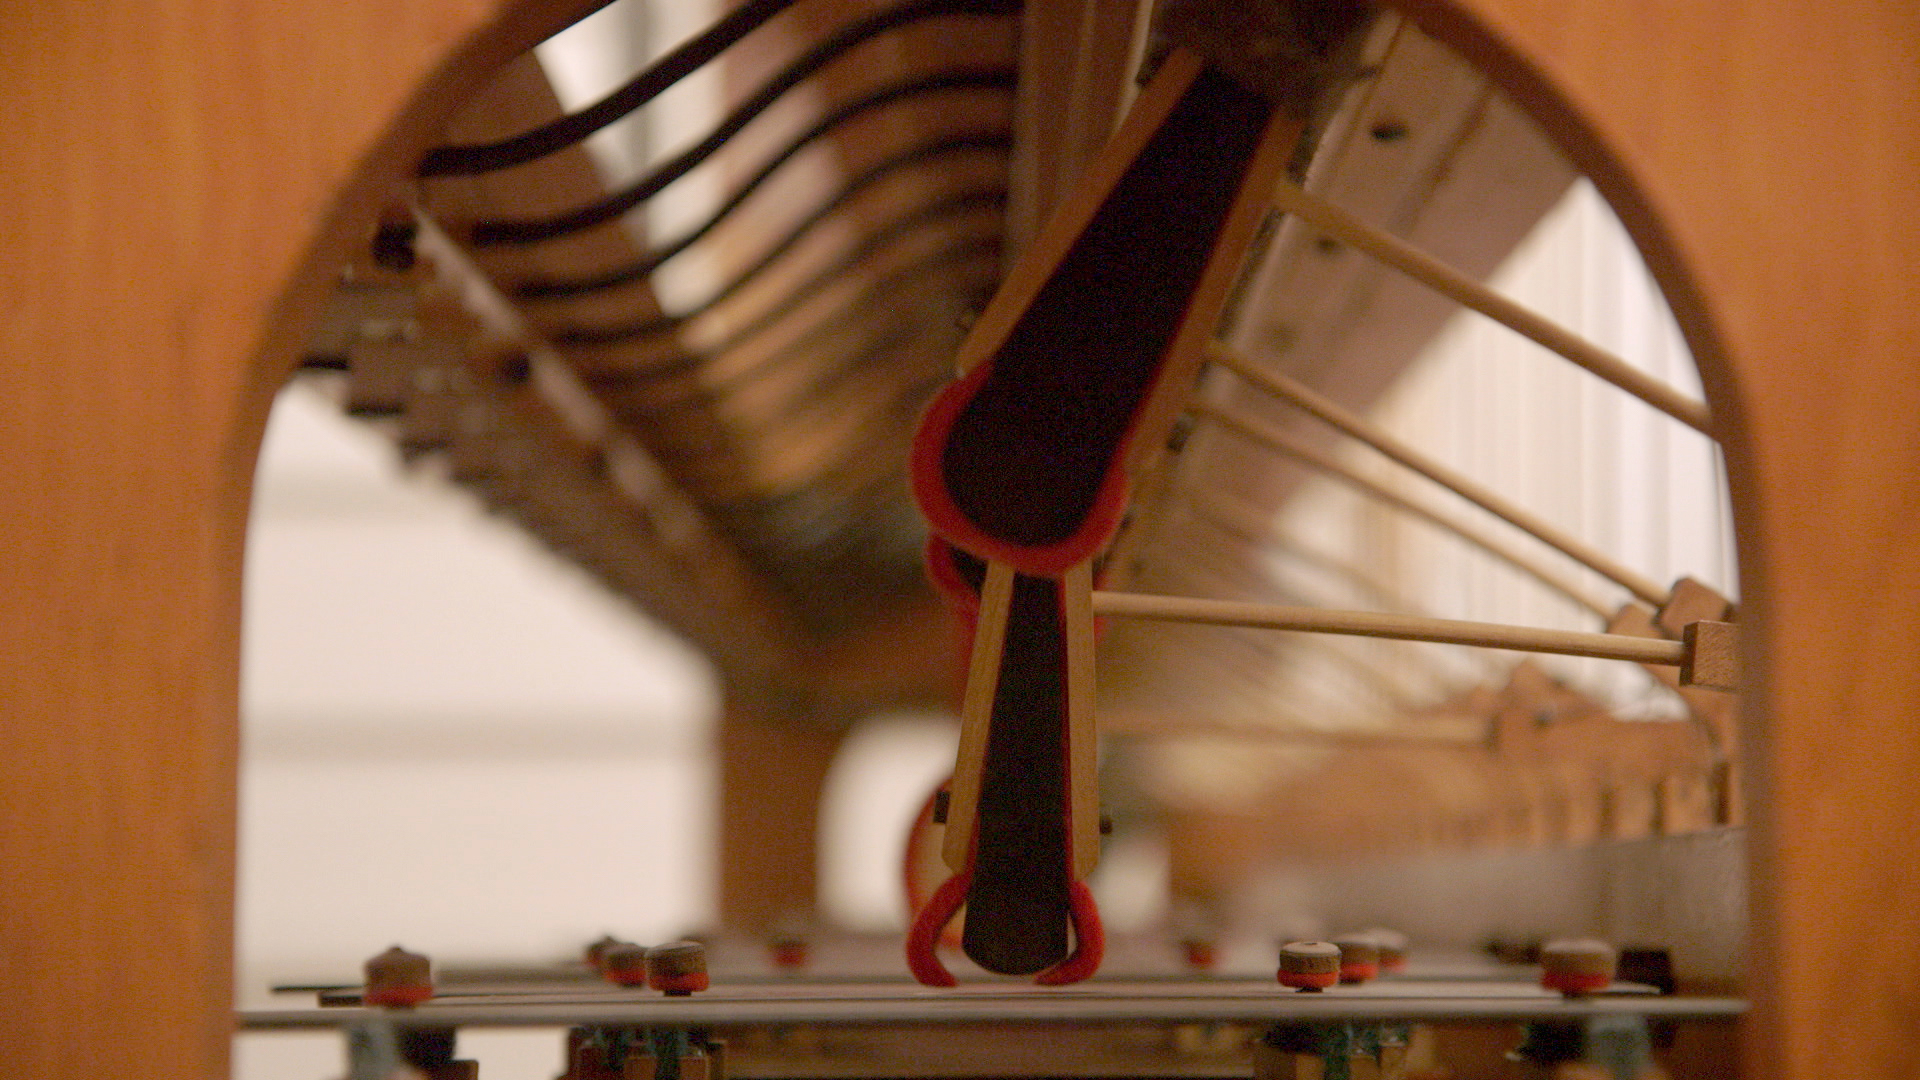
x=1358, y=973
x=684, y=983
x=1566, y=982
x=397, y=997
x=1309, y=980
x=1201, y=955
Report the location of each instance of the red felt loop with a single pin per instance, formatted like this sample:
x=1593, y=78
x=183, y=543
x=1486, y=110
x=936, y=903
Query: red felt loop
x=927, y=473
x=923, y=937
x=944, y=568
x=1089, y=940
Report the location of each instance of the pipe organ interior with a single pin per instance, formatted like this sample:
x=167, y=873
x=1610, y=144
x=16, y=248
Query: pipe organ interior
x=1395, y=506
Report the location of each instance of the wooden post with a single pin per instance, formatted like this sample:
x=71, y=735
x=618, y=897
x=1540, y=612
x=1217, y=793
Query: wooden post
x=774, y=760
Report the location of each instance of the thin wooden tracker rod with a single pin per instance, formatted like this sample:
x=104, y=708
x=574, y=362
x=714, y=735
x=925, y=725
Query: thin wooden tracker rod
x=1272, y=437
x=1636, y=650
x=1327, y=411
x=1462, y=289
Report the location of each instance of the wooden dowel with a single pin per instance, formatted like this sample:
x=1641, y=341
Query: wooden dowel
x=1083, y=733
x=1276, y=439
x=1240, y=518
x=1283, y=727
x=1456, y=286
x=1353, y=425
x=1402, y=627
x=976, y=711
x=1178, y=730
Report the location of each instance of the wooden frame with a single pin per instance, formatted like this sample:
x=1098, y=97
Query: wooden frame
x=183, y=176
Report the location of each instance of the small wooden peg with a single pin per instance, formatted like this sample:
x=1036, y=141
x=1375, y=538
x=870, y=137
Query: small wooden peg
x=1691, y=601
x=1713, y=656
x=1309, y=965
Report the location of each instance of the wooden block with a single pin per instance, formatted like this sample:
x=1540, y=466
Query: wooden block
x=1713, y=655
x=1691, y=601
x=380, y=376
x=1273, y=1063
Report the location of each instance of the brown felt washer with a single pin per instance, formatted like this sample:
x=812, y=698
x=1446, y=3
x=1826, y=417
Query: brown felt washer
x=1359, y=957
x=1393, y=949
x=1309, y=965
x=677, y=968
x=398, y=979
x=624, y=964
x=597, y=950
x=1575, y=966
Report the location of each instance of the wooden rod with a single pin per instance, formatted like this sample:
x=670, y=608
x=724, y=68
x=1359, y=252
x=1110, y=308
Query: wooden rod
x=976, y=712
x=1272, y=437
x=1174, y=730
x=1327, y=411
x=1462, y=289
x=1401, y=627
x=1238, y=519
x=1083, y=732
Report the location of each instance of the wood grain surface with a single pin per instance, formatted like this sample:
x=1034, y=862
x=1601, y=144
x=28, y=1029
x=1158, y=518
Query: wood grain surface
x=180, y=178
x=1763, y=156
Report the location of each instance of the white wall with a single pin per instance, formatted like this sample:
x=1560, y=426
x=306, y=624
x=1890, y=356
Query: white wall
x=1552, y=438
x=450, y=740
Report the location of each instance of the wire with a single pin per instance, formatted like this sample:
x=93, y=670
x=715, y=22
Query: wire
x=472, y=159
x=877, y=297
x=535, y=230
x=568, y=288
x=623, y=333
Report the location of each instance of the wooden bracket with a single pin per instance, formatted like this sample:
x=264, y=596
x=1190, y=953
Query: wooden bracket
x=1713, y=655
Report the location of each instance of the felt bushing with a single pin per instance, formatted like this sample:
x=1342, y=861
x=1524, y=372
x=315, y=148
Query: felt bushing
x=398, y=979
x=1575, y=966
x=1309, y=965
x=624, y=964
x=1359, y=958
x=677, y=968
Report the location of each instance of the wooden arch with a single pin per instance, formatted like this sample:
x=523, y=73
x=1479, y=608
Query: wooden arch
x=180, y=174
